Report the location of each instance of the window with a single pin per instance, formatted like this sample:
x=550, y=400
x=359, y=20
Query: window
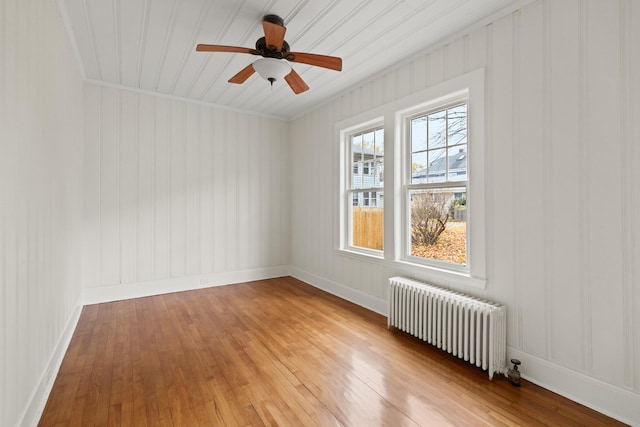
x=366, y=215
x=432, y=184
x=435, y=188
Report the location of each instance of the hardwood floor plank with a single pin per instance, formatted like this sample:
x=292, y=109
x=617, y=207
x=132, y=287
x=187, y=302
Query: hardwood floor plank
x=276, y=352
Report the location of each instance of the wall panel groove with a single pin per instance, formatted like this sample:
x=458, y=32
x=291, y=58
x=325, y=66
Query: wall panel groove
x=515, y=159
x=634, y=133
x=627, y=221
x=547, y=185
x=585, y=262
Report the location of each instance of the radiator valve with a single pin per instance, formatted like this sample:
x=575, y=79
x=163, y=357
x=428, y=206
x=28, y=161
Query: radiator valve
x=514, y=373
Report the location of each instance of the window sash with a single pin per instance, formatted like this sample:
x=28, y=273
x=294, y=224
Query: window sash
x=366, y=200
x=407, y=246
x=408, y=186
x=364, y=189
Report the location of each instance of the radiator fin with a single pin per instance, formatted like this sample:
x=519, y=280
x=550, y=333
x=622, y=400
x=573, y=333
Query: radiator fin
x=467, y=327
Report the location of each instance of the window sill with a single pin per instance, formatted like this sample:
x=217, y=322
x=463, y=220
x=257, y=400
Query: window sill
x=440, y=275
x=435, y=275
x=362, y=256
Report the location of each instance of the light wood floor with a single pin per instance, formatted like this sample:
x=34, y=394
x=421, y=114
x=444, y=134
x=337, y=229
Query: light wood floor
x=276, y=352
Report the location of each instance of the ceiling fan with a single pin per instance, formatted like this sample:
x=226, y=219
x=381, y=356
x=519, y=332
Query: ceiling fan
x=273, y=65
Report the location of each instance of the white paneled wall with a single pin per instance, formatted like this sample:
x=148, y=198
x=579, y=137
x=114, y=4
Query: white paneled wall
x=41, y=132
x=176, y=189
x=563, y=194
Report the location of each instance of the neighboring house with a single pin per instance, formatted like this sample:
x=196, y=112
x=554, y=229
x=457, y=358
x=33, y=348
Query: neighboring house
x=437, y=170
x=368, y=172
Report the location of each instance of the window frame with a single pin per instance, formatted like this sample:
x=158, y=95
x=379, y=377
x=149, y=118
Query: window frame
x=347, y=190
x=406, y=118
x=391, y=116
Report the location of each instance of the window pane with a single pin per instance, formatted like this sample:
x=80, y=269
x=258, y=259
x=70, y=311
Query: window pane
x=377, y=165
x=437, y=165
x=368, y=145
x=367, y=157
x=367, y=225
x=457, y=125
x=419, y=167
x=437, y=129
x=356, y=146
x=458, y=163
x=419, y=134
x=439, y=224
x=379, y=149
x=379, y=173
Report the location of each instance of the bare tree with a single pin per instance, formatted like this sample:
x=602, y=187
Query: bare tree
x=429, y=216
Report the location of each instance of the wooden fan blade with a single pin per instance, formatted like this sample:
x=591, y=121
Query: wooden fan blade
x=274, y=35
x=219, y=48
x=330, y=62
x=243, y=75
x=295, y=82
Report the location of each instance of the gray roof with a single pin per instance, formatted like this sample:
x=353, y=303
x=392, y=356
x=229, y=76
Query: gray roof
x=457, y=163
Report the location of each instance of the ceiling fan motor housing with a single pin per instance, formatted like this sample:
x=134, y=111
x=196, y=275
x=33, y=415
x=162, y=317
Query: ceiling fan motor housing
x=261, y=46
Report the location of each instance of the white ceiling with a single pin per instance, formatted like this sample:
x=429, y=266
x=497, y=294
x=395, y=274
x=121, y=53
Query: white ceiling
x=150, y=44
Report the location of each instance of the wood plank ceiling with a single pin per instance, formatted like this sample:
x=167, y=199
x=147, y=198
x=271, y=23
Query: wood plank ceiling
x=150, y=44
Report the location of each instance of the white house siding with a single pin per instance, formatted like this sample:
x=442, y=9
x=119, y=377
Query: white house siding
x=41, y=136
x=178, y=190
x=562, y=106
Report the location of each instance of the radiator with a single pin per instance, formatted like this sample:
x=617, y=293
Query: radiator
x=472, y=329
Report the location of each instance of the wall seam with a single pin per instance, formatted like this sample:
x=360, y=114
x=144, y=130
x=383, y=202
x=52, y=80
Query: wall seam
x=100, y=170
x=144, y=25
x=117, y=39
x=118, y=180
x=169, y=188
x=199, y=192
x=515, y=100
x=583, y=199
x=548, y=168
x=627, y=187
x=136, y=242
x=92, y=37
x=489, y=161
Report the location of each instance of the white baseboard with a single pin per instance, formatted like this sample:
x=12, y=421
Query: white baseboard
x=102, y=294
x=38, y=400
x=615, y=402
x=344, y=292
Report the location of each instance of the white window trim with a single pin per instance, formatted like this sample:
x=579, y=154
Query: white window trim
x=345, y=133
x=469, y=85
x=403, y=119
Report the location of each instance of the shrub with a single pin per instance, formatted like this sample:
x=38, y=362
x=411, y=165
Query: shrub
x=429, y=216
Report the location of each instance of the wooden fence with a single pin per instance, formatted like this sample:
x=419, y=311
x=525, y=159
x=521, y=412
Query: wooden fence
x=368, y=227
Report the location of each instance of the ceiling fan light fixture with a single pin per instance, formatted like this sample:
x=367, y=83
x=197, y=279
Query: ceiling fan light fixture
x=274, y=64
x=272, y=69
